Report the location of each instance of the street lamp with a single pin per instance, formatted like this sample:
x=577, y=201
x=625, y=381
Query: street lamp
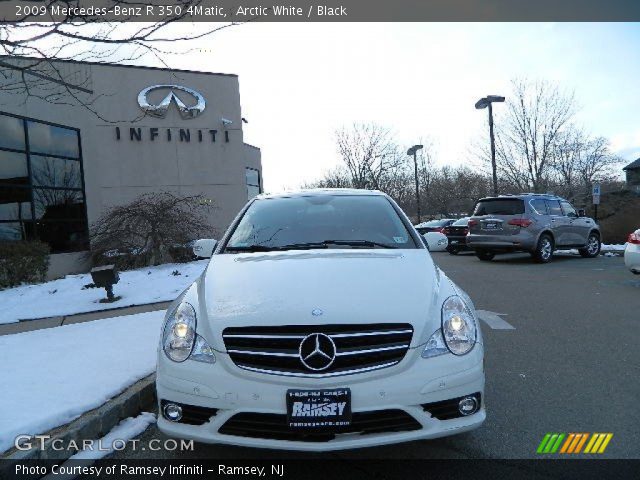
x=484, y=103
x=413, y=151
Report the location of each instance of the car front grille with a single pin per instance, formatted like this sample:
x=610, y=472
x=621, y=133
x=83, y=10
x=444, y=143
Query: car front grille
x=355, y=349
x=274, y=426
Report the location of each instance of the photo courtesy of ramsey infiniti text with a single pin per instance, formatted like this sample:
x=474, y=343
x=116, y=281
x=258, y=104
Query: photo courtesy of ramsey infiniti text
x=320, y=323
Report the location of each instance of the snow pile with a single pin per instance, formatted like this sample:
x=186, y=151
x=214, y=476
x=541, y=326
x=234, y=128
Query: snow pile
x=127, y=429
x=613, y=248
x=67, y=296
x=52, y=376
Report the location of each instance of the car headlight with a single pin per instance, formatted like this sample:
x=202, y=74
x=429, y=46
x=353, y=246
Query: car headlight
x=458, y=326
x=180, y=340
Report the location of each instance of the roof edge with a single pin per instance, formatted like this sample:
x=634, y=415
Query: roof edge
x=123, y=65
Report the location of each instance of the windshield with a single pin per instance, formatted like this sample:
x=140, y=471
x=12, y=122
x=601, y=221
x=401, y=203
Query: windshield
x=320, y=221
x=463, y=222
x=499, y=206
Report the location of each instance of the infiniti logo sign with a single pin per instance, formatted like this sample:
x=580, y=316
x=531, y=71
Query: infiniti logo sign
x=161, y=109
x=317, y=351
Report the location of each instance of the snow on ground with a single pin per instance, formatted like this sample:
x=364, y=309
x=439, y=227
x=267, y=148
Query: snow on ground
x=50, y=377
x=614, y=247
x=127, y=429
x=66, y=295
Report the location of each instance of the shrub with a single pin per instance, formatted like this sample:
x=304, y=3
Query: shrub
x=23, y=262
x=154, y=228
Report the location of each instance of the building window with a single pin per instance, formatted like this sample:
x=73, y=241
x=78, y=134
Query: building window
x=41, y=184
x=253, y=182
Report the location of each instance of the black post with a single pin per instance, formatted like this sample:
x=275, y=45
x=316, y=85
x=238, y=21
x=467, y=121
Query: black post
x=493, y=152
x=415, y=164
x=595, y=213
x=109, y=290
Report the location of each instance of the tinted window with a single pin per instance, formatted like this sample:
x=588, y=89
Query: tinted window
x=45, y=138
x=45, y=184
x=539, y=206
x=553, y=207
x=11, y=132
x=463, y=222
x=252, y=177
x=499, y=206
x=276, y=222
x=55, y=172
x=13, y=168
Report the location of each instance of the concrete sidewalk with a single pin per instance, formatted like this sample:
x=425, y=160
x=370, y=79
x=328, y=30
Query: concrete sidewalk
x=50, y=322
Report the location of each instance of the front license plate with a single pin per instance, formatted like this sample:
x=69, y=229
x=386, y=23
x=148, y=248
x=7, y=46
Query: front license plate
x=319, y=409
x=454, y=242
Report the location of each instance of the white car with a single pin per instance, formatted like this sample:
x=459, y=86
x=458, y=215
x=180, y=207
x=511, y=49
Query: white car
x=436, y=241
x=320, y=323
x=632, y=252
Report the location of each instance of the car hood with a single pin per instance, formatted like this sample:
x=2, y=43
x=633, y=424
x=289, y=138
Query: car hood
x=348, y=286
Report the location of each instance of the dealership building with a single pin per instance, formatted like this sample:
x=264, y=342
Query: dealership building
x=77, y=138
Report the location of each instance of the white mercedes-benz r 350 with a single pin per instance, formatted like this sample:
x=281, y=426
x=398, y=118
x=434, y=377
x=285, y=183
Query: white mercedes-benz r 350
x=320, y=323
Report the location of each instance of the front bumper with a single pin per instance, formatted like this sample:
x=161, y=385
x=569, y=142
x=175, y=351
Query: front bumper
x=406, y=386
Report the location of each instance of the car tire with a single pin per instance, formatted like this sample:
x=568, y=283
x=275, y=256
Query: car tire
x=544, y=249
x=485, y=255
x=592, y=249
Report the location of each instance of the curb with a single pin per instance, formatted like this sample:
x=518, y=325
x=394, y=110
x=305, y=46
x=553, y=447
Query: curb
x=92, y=425
x=50, y=322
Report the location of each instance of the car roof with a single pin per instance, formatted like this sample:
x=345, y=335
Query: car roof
x=520, y=196
x=310, y=192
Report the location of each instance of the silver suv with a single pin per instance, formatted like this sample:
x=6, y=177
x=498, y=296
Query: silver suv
x=529, y=222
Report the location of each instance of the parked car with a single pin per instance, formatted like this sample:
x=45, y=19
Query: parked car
x=529, y=222
x=320, y=323
x=457, y=236
x=632, y=252
x=436, y=241
x=434, y=225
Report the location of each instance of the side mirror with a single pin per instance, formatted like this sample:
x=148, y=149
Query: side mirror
x=582, y=212
x=204, y=247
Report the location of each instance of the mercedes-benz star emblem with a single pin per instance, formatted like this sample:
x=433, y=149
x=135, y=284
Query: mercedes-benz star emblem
x=160, y=109
x=317, y=351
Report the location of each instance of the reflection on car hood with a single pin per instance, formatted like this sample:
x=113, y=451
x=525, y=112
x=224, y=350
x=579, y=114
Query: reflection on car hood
x=349, y=286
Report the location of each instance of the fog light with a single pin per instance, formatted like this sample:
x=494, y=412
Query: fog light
x=468, y=406
x=172, y=412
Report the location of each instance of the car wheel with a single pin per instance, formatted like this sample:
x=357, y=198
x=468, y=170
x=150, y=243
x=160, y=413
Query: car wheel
x=485, y=255
x=593, y=247
x=544, y=250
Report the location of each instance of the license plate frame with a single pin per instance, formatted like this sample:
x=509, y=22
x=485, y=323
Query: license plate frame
x=490, y=226
x=319, y=409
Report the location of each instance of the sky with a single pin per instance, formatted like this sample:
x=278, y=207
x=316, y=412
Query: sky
x=300, y=82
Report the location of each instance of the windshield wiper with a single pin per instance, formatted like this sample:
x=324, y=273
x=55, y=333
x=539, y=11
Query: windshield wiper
x=308, y=246
x=265, y=248
x=357, y=243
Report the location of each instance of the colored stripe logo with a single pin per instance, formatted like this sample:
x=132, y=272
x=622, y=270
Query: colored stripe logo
x=573, y=443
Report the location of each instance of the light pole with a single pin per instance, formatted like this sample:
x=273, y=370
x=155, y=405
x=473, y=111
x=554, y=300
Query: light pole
x=413, y=151
x=484, y=103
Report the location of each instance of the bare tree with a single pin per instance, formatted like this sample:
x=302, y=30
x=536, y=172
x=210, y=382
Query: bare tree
x=85, y=37
x=368, y=153
x=149, y=227
x=526, y=136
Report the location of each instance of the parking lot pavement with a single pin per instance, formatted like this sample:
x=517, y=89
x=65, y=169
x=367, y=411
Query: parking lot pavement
x=570, y=363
